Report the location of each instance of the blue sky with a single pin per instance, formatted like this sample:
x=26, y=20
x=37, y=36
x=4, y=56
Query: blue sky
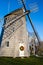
x=37, y=18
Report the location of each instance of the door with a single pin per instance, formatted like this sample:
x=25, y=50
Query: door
x=21, y=50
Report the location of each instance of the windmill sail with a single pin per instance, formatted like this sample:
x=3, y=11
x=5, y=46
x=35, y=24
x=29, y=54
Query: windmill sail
x=31, y=22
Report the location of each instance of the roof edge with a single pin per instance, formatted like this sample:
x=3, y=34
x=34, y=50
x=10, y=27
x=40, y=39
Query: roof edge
x=13, y=11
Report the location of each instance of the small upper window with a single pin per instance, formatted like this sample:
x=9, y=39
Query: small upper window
x=7, y=43
x=32, y=44
x=13, y=29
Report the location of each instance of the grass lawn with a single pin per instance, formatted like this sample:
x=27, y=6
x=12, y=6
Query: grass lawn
x=32, y=60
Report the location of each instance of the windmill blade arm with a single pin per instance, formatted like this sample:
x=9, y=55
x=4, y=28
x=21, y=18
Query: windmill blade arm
x=31, y=22
x=25, y=13
x=33, y=29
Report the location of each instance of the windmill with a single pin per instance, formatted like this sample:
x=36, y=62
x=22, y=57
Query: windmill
x=11, y=23
x=14, y=25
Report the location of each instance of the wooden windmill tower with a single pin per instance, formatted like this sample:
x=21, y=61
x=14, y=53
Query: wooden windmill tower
x=14, y=38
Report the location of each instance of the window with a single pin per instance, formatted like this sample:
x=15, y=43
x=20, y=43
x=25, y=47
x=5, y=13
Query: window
x=32, y=44
x=13, y=29
x=7, y=43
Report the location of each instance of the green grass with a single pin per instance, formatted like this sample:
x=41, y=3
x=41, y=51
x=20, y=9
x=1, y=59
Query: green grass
x=32, y=60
